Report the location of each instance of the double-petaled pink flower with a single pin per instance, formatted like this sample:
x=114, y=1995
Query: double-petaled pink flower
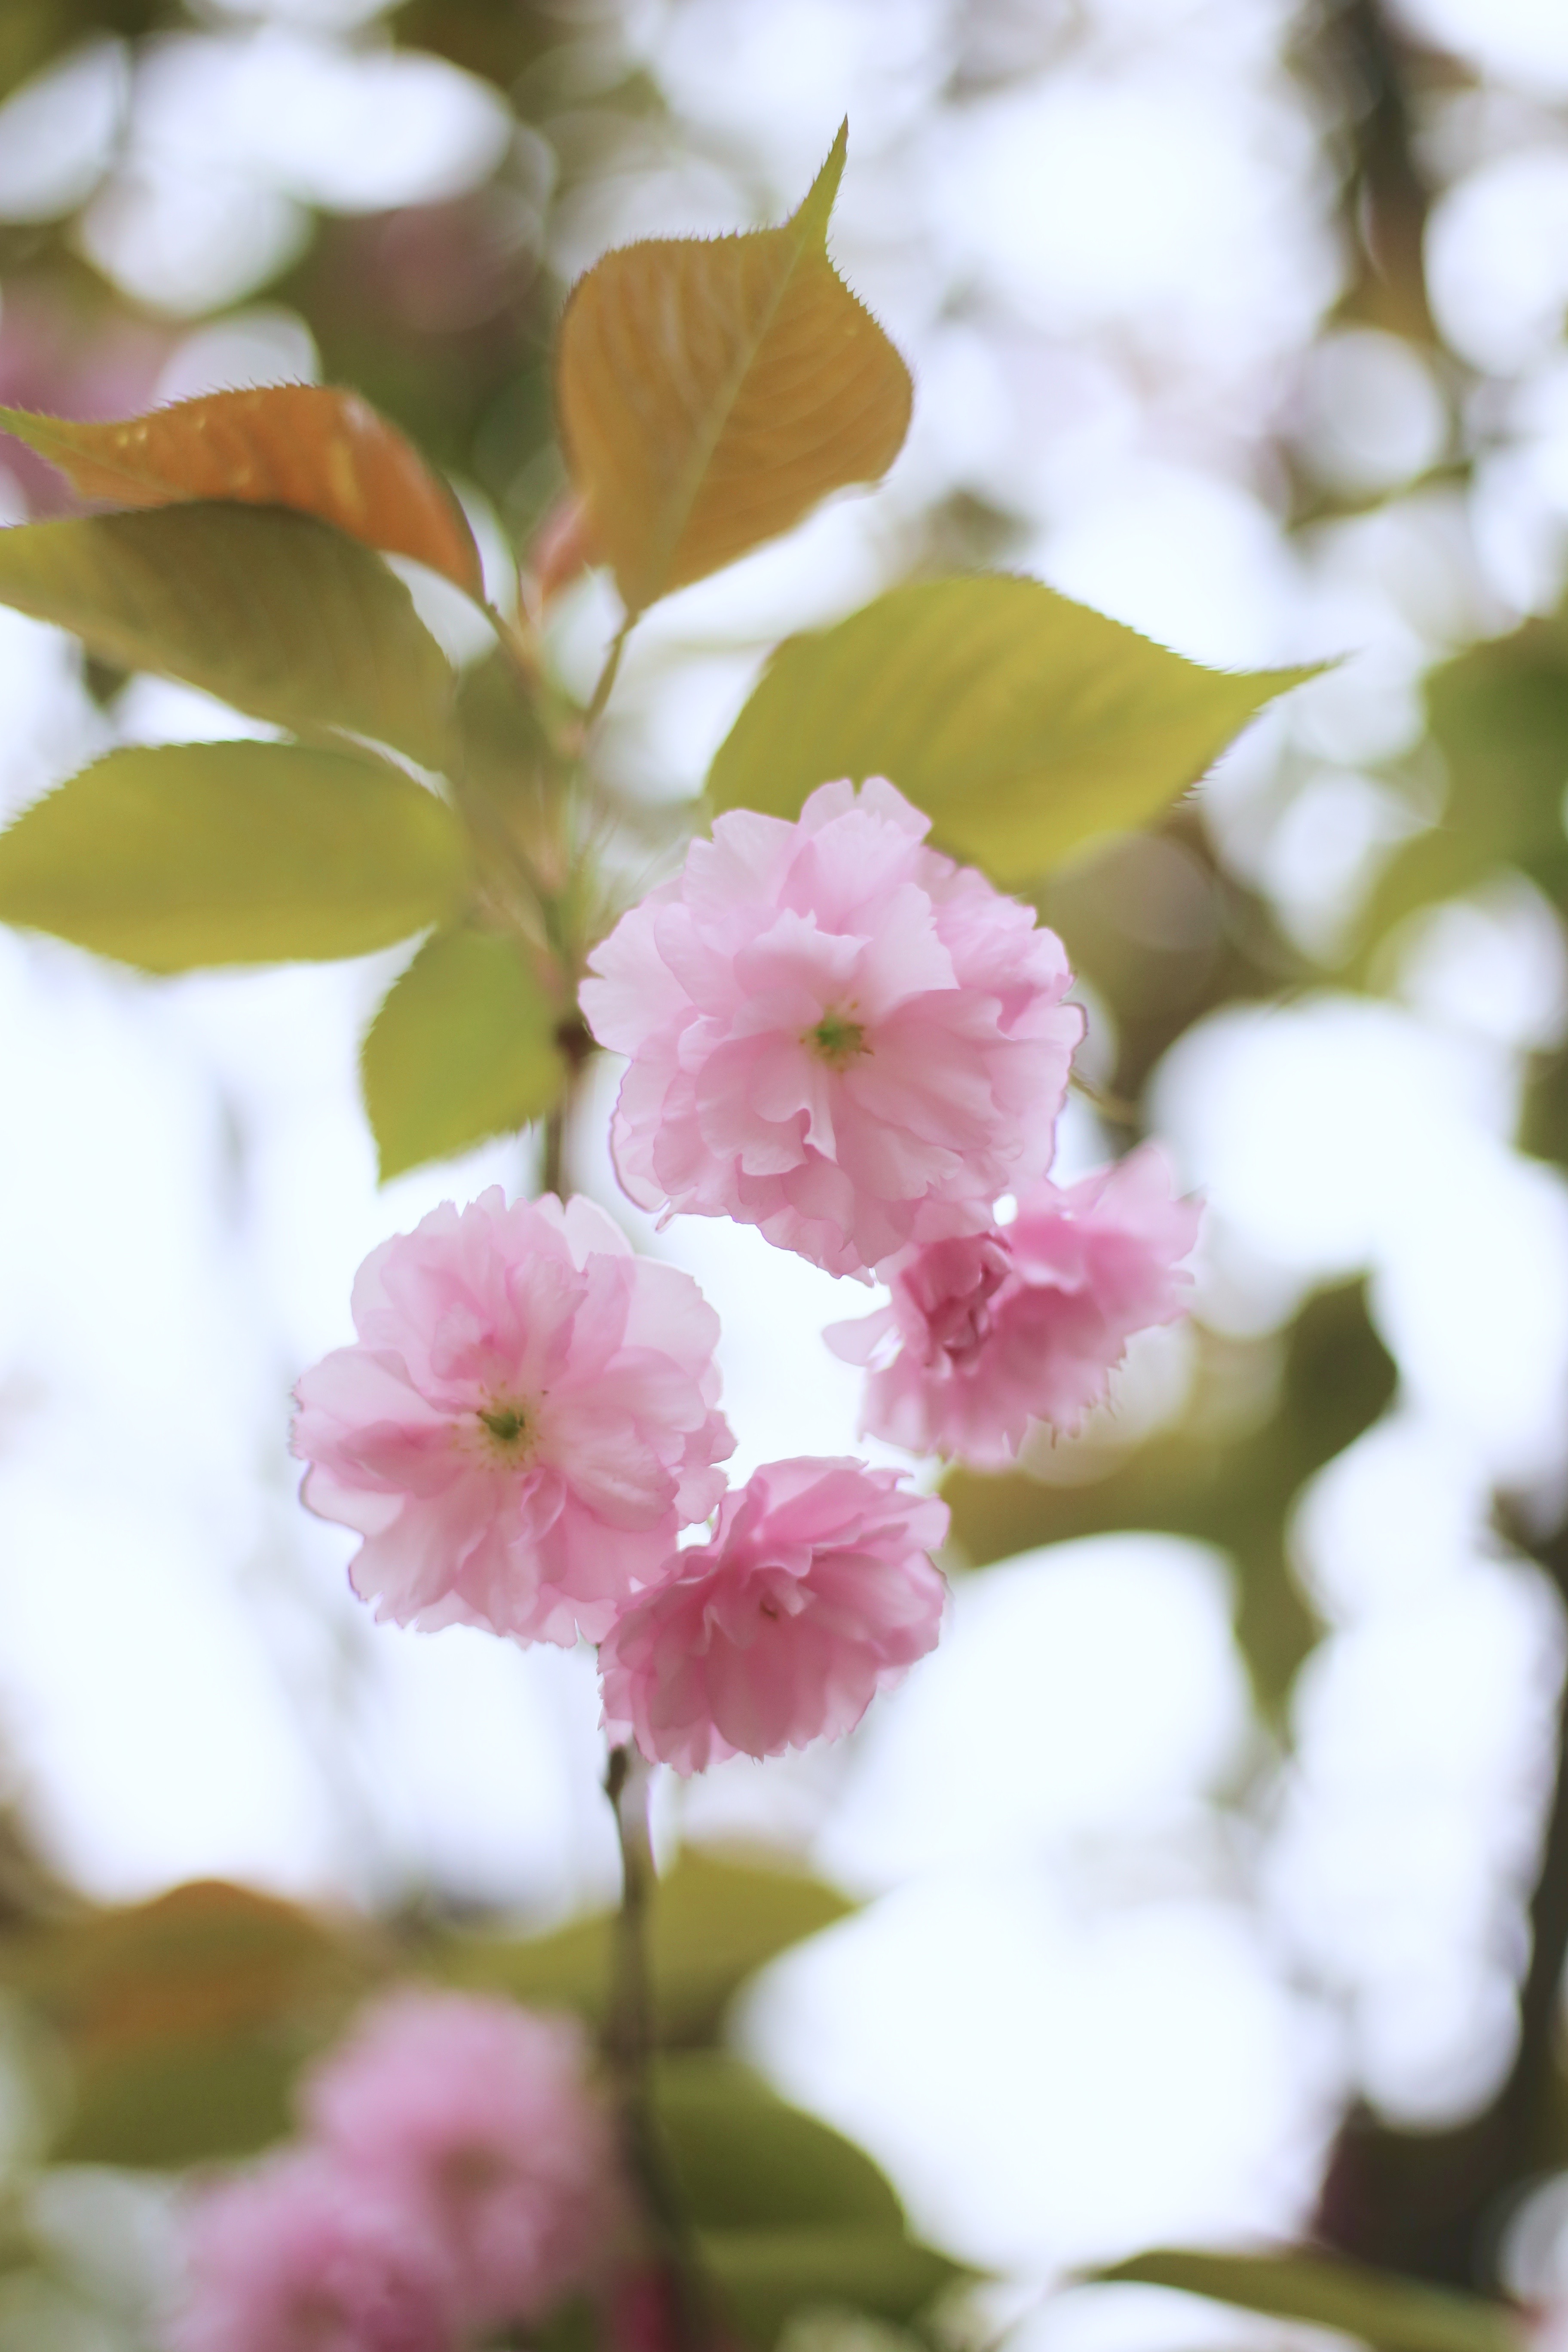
x=987, y=1334
x=477, y=2119
x=528, y=1420
x=814, y=1593
x=835, y=1032
x=301, y=2252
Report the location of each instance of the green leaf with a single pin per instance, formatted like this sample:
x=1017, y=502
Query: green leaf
x=184, y=2019
x=274, y=613
x=1396, y=2314
x=788, y=2213
x=311, y=446
x=1203, y=1481
x=1022, y=724
x=714, y=1922
x=712, y=390
x=198, y=853
x=463, y=1048
x=765, y=2276
x=745, y=2160
x=1499, y=715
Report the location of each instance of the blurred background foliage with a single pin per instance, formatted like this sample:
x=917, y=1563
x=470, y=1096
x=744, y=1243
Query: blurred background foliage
x=167, y=2033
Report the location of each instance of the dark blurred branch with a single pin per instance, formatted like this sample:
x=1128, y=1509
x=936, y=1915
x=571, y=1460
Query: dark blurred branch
x=1430, y=2203
x=1365, y=69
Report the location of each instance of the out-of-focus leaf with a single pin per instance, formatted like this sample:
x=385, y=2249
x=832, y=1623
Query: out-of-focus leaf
x=1021, y=723
x=311, y=446
x=185, y=2019
x=33, y=33
x=714, y=1922
x=712, y=390
x=1197, y=1480
x=787, y=2212
x=745, y=2160
x=464, y=1048
x=1396, y=2314
x=503, y=736
x=274, y=613
x=196, y=853
x=765, y=2276
x=1499, y=715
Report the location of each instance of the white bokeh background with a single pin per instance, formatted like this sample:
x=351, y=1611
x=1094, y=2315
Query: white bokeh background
x=1116, y=1970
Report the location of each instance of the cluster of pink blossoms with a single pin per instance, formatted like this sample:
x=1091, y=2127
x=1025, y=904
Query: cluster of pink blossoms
x=838, y=1035
x=457, y=2174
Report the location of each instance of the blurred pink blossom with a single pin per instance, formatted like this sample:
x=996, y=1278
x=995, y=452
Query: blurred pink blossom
x=478, y=2118
x=526, y=1422
x=303, y=2252
x=835, y=1033
x=1025, y=1323
x=813, y=1593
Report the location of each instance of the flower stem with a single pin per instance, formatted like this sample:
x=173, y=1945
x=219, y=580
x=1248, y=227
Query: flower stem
x=552, y=1176
x=601, y=694
x=628, y=2045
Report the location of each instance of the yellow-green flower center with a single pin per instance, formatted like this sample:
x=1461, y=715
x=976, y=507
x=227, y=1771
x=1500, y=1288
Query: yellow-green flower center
x=835, y=1041
x=508, y=1424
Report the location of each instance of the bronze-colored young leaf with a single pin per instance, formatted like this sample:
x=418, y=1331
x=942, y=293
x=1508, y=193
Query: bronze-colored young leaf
x=196, y=854
x=322, y=451
x=1395, y=2315
x=711, y=391
x=183, y=2020
x=463, y=1048
x=274, y=613
x=1021, y=723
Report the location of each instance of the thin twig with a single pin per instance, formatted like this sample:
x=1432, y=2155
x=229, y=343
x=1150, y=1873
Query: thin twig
x=607, y=675
x=552, y=1175
x=628, y=2045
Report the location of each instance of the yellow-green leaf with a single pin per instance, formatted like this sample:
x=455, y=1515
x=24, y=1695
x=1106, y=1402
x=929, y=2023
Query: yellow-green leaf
x=714, y=1922
x=311, y=446
x=463, y=1048
x=1396, y=2314
x=765, y=2276
x=274, y=613
x=1499, y=716
x=1021, y=723
x=788, y=2213
x=711, y=391
x=195, y=854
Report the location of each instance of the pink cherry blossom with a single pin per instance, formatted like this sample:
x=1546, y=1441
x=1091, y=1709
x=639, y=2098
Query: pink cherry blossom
x=303, y=2252
x=988, y=1333
x=835, y=1032
x=480, y=2116
x=813, y=1593
x=526, y=1422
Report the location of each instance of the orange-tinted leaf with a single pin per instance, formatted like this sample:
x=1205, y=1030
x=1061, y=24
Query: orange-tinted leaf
x=711, y=391
x=310, y=446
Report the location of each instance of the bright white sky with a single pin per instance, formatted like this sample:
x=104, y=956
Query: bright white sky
x=1063, y=2021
